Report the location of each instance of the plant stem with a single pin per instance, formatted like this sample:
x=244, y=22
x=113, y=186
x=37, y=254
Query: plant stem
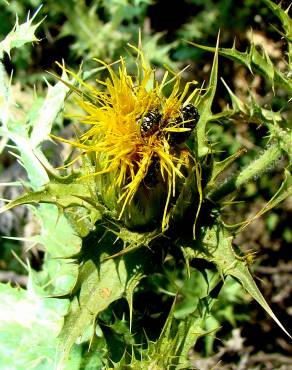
x=264, y=163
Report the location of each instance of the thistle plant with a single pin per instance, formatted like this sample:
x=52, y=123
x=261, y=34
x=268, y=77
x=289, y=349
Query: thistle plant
x=143, y=197
x=133, y=146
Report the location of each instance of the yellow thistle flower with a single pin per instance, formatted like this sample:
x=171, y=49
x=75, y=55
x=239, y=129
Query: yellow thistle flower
x=131, y=125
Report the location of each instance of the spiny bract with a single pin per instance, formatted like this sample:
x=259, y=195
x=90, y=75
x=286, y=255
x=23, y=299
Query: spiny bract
x=120, y=141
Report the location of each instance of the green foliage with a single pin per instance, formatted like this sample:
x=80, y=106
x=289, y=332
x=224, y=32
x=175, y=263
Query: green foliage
x=256, y=62
x=105, y=36
x=29, y=327
x=20, y=35
x=102, y=281
x=286, y=21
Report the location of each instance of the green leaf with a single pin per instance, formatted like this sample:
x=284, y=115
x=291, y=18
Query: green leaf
x=256, y=62
x=286, y=21
x=18, y=133
x=20, y=35
x=62, y=195
x=253, y=111
x=58, y=235
x=193, y=327
x=102, y=282
x=205, y=104
x=30, y=135
x=182, y=329
x=29, y=326
x=44, y=118
x=156, y=52
x=217, y=248
x=282, y=193
x=251, y=172
x=219, y=167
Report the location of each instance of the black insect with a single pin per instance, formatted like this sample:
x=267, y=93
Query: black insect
x=189, y=118
x=190, y=113
x=150, y=123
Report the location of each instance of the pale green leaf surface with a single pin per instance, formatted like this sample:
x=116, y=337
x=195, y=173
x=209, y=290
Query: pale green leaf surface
x=35, y=171
x=58, y=277
x=58, y=235
x=61, y=195
x=20, y=35
x=5, y=96
x=101, y=285
x=29, y=135
x=29, y=326
x=18, y=133
x=45, y=117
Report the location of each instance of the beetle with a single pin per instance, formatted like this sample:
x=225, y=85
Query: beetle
x=188, y=118
x=150, y=123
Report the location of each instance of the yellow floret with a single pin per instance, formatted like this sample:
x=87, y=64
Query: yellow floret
x=114, y=114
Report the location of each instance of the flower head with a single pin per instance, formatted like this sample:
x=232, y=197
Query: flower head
x=135, y=130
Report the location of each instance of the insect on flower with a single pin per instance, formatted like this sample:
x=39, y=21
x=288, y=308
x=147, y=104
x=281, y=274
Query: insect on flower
x=131, y=122
x=150, y=123
x=188, y=118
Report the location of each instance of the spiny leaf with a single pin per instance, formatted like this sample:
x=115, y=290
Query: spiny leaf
x=286, y=21
x=180, y=334
x=102, y=284
x=283, y=192
x=256, y=62
x=219, y=167
x=20, y=35
x=237, y=104
x=62, y=195
x=18, y=132
x=282, y=15
x=205, y=104
x=57, y=234
x=272, y=120
x=192, y=327
x=29, y=326
x=133, y=240
x=29, y=135
x=67, y=215
x=254, y=169
x=253, y=111
x=45, y=116
x=218, y=249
